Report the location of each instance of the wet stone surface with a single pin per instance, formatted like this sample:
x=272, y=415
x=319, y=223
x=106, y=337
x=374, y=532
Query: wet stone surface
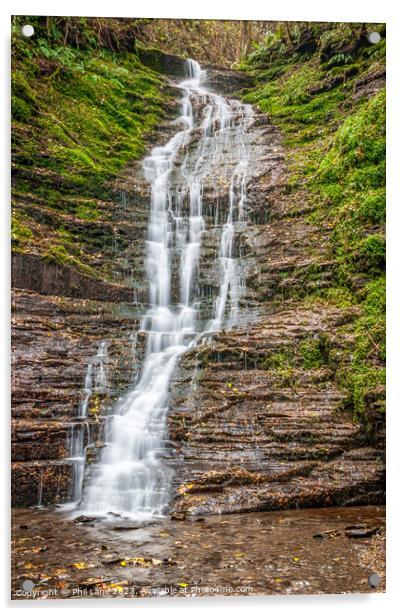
x=287, y=552
x=242, y=437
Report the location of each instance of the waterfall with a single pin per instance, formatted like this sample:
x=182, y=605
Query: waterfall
x=95, y=378
x=78, y=436
x=131, y=478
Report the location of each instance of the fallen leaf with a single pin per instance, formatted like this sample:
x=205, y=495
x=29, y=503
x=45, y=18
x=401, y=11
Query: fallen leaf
x=79, y=565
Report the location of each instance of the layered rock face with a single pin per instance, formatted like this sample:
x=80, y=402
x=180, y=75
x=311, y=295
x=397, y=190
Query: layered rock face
x=256, y=419
x=61, y=318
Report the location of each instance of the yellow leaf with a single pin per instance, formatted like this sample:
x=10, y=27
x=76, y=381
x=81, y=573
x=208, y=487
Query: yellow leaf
x=80, y=565
x=182, y=584
x=296, y=559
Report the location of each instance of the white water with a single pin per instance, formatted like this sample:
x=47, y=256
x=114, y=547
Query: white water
x=78, y=437
x=95, y=378
x=132, y=477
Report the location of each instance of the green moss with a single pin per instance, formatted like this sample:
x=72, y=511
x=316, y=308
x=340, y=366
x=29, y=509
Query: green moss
x=20, y=232
x=371, y=207
x=87, y=211
x=281, y=359
x=358, y=382
x=20, y=109
x=302, y=116
x=315, y=352
x=98, y=114
x=81, y=112
x=58, y=253
x=371, y=253
x=334, y=296
x=335, y=152
x=358, y=143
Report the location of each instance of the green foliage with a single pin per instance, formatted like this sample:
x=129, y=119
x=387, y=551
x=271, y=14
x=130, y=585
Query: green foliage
x=289, y=102
x=315, y=352
x=359, y=142
x=92, y=113
x=367, y=371
x=20, y=109
x=58, y=253
x=281, y=359
x=87, y=211
x=272, y=48
x=371, y=207
x=80, y=112
x=371, y=253
x=335, y=143
x=19, y=230
x=370, y=327
x=358, y=381
x=334, y=39
x=296, y=87
x=309, y=353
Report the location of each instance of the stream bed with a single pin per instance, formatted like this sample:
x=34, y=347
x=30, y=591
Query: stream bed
x=64, y=555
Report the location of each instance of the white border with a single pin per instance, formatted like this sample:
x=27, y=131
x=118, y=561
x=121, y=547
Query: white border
x=291, y=10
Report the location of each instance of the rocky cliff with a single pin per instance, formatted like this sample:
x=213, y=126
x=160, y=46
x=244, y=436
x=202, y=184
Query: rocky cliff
x=266, y=416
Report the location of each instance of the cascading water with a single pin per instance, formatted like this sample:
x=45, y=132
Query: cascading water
x=131, y=477
x=79, y=434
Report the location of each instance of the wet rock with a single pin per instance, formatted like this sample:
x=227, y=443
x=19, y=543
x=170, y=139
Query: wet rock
x=83, y=519
x=111, y=559
x=40, y=483
x=362, y=533
x=370, y=84
x=327, y=534
x=34, y=273
x=274, y=439
x=161, y=61
x=215, y=559
x=227, y=81
x=178, y=515
x=250, y=440
x=54, y=339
